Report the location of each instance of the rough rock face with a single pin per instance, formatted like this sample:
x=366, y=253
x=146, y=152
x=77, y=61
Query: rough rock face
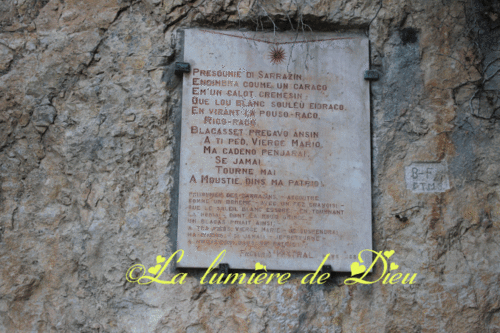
x=88, y=99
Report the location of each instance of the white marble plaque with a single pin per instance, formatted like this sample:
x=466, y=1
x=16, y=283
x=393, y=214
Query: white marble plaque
x=275, y=150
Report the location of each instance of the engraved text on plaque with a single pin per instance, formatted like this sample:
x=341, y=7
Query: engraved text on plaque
x=275, y=150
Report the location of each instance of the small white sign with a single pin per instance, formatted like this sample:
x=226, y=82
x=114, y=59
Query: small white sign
x=427, y=177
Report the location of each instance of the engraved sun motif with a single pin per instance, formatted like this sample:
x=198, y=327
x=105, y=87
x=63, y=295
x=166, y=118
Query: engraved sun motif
x=277, y=55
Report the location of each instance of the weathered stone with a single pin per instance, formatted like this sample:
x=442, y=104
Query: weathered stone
x=44, y=115
x=130, y=118
x=95, y=194
x=6, y=56
x=24, y=120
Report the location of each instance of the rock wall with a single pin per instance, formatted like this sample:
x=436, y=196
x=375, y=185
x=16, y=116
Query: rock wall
x=88, y=137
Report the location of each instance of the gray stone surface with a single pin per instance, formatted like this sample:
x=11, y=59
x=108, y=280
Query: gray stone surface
x=94, y=193
x=427, y=177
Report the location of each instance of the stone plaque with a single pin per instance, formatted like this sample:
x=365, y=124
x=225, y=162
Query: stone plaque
x=275, y=150
x=427, y=177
